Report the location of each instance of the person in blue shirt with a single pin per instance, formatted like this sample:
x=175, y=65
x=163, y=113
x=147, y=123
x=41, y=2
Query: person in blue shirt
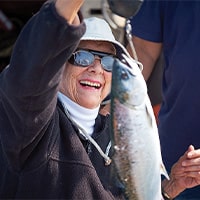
x=172, y=27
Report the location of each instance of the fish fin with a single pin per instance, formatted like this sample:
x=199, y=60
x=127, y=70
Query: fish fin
x=149, y=110
x=164, y=171
x=114, y=182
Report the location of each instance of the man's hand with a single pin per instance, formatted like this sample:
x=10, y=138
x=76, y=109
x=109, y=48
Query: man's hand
x=185, y=173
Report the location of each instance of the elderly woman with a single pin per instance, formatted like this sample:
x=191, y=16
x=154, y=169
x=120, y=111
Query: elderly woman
x=49, y=108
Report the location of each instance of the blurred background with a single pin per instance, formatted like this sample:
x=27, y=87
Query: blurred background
x=14, y=14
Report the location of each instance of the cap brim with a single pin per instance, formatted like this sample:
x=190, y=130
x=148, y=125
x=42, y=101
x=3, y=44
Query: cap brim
x=119, y=47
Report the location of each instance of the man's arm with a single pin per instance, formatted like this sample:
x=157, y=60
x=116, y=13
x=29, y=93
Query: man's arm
x=147, y=52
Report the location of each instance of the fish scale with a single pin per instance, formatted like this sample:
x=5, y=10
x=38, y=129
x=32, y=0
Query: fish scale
x=137, y=160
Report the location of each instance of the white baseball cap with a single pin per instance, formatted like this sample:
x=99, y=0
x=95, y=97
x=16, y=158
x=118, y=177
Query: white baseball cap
x=98, y=29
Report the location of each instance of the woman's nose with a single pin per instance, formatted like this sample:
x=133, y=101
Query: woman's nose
x=96, y=65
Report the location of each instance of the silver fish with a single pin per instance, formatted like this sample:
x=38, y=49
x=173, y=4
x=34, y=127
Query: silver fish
x=135, y=141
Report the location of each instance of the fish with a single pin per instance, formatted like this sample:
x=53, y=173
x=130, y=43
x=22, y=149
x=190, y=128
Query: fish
x=136, y=156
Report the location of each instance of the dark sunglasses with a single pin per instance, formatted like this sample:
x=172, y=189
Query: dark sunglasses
x=84, y=58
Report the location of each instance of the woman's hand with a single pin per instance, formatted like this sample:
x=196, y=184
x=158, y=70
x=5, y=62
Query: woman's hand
x=69, y=9
x=185, y=173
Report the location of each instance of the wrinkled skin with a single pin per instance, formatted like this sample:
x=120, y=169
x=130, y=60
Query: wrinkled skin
x=73, y=77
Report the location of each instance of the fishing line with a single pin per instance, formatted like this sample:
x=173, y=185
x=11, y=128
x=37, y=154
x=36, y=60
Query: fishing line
x=128, y=29
x=87, y=136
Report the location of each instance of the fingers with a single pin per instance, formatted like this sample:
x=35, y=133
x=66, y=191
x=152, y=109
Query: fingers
x=188, y=164
x=188, y=154
x=191, y=165
x=190, y=148
x=191, y=158
x=186, y=171
x=191, y=162
x=193, y=154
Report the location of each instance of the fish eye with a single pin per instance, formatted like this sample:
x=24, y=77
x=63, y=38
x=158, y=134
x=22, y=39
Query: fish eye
x=124, y=75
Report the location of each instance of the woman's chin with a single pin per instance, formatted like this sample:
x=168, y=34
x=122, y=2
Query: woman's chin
x=90, y=102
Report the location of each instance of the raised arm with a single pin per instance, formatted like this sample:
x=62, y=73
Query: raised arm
x=29, y=86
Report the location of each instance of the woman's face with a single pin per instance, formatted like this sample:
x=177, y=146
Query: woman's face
x=88, y=86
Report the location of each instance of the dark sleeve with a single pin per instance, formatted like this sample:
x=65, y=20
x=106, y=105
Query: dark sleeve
x=29, y=86
x=147, y=23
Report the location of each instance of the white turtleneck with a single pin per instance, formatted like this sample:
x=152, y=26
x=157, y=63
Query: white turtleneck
x=84, y=117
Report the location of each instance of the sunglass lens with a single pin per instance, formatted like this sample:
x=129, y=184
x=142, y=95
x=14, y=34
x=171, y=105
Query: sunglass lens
x=107, y=63
x=83, y=58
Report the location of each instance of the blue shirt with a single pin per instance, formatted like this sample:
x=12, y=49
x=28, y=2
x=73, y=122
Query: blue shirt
x=176, y=25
